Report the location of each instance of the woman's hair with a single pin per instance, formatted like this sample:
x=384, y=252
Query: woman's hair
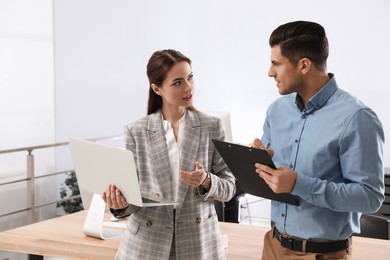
x=302, y=39
x=157, y=69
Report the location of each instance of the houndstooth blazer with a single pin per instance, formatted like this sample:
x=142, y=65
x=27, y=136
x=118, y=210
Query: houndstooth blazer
x=150, y=230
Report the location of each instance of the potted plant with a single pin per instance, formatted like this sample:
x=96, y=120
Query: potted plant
x=70, y=186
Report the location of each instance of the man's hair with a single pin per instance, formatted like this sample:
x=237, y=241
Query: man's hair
x=302, y=39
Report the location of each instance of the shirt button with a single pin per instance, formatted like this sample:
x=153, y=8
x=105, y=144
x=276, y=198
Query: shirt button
x=283, y=215
x=149, y=223
x=296, y=140
x=198, y=220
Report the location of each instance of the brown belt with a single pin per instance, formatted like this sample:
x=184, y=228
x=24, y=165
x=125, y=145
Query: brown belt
x=310, y=246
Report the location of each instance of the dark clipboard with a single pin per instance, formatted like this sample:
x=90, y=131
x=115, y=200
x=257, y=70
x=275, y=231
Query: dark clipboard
x=241, y=161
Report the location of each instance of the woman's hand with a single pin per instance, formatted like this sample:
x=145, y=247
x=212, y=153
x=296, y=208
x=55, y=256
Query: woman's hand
x=114, y=199
x=196, y=177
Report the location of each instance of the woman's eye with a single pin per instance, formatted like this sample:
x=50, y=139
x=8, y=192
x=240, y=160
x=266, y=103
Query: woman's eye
x=176, y=83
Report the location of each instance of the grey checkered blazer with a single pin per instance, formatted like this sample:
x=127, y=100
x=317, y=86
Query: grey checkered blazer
x=150, y=231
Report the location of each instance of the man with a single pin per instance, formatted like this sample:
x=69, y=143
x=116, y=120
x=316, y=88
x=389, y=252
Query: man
x=327, y=147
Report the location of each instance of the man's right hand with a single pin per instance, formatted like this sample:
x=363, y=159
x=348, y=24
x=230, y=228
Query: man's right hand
x=259, y=145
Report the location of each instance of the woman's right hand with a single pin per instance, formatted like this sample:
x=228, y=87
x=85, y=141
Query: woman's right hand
x=114, y=199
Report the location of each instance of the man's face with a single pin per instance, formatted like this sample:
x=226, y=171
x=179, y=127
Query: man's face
x=287, y=76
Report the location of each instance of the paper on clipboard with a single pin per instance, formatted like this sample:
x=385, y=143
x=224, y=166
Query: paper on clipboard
x=241, y=161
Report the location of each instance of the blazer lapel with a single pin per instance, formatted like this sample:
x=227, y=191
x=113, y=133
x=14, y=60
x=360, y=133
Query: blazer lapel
x=189, y=149
x=160, y=160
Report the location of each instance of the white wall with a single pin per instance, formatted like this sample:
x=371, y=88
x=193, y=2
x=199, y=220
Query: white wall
x=26, y=85
x=26, y=104
x=26, y=81
x=26, y=73
x=102, y=47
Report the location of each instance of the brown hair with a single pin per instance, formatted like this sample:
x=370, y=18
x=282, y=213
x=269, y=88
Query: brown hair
x=157, y=69
x=302, y=39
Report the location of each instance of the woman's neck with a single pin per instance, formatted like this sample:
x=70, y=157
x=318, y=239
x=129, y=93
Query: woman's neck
x=173, y=115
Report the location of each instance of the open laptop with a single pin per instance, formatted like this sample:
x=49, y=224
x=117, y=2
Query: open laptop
x=97, y=166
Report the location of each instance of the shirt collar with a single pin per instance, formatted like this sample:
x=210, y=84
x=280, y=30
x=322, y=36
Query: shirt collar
x=320, y=98
x=166, y=123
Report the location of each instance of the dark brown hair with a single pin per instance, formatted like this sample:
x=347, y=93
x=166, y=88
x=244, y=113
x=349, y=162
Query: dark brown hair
x=302, y=39
x=157, y=69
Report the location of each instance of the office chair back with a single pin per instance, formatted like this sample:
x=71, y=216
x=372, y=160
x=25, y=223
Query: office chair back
x=374, y=226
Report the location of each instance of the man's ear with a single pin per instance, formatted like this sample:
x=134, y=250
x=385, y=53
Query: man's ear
x=305, y=65
x=156, y=89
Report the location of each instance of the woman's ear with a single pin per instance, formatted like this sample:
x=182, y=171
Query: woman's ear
x=156, y=89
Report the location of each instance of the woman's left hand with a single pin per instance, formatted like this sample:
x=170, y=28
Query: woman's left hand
x=196, y=177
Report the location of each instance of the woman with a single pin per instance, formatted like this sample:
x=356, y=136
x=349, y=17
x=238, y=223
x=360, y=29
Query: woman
x=176, y=160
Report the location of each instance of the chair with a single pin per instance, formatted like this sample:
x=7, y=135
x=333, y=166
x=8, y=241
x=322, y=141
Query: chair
x=384, y=210
x=374, y=226
x=219, y=208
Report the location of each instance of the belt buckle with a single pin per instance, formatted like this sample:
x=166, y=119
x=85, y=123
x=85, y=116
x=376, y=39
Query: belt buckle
x=287, y=242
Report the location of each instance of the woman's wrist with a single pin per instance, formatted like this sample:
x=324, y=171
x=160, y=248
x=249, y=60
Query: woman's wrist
x=207, y=181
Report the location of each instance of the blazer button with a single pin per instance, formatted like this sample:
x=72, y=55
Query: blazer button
x=157, y=195
x=198, y=220
x=149, y=223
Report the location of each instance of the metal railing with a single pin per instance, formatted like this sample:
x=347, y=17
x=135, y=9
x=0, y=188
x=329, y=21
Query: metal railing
x=30, y=177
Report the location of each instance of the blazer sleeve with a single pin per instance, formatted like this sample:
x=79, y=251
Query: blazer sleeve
x=223, y=185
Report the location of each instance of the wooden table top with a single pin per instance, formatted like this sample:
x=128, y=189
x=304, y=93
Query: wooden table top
x=63, y=237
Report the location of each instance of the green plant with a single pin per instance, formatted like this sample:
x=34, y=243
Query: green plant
x=70, y=185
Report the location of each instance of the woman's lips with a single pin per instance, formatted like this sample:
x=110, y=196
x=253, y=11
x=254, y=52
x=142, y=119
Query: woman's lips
x=188, y=98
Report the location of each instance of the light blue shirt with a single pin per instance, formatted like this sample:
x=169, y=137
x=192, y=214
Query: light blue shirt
x=335, y=145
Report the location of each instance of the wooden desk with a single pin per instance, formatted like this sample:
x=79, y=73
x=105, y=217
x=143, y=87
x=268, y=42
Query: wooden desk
x=63, y=237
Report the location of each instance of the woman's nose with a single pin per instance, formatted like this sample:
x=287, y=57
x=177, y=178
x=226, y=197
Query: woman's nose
x=189, y=85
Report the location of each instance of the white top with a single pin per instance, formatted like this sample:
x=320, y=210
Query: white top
x=173, y=147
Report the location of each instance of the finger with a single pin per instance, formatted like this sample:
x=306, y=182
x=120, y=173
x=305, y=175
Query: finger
x=121, y=200
x=104, y=198
x=269, y=183
x=114, y=196
x=264, y=169
x=118, y=197
x=257, y=143
x=124, y=202
x=107, y=196
x=270, y=152
x=189, y=178
x=198, y=166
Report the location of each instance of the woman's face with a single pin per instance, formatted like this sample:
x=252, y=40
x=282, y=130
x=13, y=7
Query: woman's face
x=178, y=87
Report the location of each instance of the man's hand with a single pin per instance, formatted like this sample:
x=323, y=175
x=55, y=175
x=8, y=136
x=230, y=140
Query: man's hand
x=281, y=180
x=259, y=145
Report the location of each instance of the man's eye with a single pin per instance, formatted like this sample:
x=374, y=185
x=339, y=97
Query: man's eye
x=176, y=83
x=190, y=77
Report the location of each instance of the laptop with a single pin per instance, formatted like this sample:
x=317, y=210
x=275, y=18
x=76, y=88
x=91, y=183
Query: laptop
x=97, y=165
x=241, y=161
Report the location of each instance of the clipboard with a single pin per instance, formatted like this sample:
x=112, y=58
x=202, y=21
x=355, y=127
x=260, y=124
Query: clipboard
x=241, y=161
